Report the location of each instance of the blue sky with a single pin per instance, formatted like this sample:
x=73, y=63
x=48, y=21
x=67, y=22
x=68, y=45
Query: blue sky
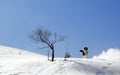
x=91, y=23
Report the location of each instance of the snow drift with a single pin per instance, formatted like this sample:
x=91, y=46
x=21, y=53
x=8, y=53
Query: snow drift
x=19, y=62
x=111, y=54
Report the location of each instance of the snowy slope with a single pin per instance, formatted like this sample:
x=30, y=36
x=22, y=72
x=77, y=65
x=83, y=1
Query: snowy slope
x=14, y=62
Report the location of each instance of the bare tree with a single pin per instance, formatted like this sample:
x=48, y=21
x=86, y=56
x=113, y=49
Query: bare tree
x=45, y=37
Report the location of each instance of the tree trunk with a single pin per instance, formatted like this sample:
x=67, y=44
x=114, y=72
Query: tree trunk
x=52, y=48
x=52, y=54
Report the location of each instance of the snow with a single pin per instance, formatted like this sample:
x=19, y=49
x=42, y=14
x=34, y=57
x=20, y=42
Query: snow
x=110, y=54
x=20, y=62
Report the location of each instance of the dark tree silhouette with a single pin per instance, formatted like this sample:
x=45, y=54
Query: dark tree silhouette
x=45, y=37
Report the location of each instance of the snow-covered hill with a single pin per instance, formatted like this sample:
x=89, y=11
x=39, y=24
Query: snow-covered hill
x=110, y=54
x=19, y=62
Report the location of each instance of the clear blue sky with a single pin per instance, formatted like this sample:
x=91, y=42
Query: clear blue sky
x=91, y=23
